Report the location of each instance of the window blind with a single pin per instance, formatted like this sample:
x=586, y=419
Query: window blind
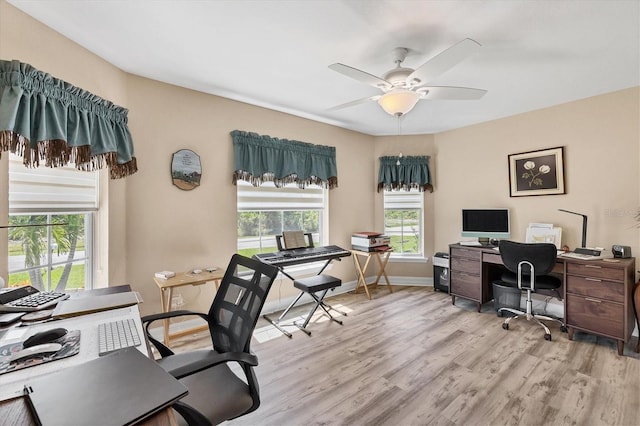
x=289, y=197
x=45, y=189
x=403, y=200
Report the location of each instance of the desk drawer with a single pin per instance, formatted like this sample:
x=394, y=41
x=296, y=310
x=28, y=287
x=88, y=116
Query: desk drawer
x=595, y=315
x=595, y=287
x=466, y=265
x=466, y=285
x=595, y=270
x=464, y=252
x=492, y=258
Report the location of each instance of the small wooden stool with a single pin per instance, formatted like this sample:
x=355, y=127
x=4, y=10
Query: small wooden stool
x=312, y=285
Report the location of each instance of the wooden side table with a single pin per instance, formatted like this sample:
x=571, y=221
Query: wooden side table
x=167, y=285
x=381, y=257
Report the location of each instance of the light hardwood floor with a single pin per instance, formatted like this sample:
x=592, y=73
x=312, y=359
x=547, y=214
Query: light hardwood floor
x=412, y=358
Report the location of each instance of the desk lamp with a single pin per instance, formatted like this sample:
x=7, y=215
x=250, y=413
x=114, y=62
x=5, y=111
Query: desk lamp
x=584, y=249
x=584, y=225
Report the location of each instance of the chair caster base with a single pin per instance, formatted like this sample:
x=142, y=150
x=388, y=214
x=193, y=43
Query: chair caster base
x=505, y=325
x=563, y=328
x=547, y=336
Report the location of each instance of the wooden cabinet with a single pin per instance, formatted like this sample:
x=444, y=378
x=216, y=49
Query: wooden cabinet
x=599, y=299
x=465, y=275
x=598, y=294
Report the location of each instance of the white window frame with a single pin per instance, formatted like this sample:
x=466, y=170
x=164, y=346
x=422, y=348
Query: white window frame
x=405, y=200
x=56, y=191
x=267, y=197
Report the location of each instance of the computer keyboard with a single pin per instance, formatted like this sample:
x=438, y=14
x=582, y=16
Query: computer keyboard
x=581, y=256
x=116, y=335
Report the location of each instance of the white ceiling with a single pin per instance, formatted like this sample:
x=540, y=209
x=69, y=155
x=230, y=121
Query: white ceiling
x=276, y=54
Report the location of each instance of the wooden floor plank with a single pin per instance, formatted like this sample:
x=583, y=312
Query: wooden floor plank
x=412, y=358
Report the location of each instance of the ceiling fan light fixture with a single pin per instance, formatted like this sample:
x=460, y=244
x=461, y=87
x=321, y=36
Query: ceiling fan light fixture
x=398, y=101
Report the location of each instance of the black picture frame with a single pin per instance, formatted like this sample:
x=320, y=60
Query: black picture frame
x=538, y=172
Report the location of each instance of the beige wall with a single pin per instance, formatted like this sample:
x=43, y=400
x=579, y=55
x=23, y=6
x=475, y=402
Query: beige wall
x=601, y=136
x=152, y=225
x=25, y=39
x=168, y=228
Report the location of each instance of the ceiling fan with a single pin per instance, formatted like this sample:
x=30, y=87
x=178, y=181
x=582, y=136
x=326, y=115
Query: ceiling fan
x=403, y=87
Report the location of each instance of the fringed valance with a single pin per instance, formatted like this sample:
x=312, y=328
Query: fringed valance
x=46, y=119
x=404, y=173
x=257, y=159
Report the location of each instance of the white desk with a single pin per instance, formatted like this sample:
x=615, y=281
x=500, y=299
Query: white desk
x=12, y=384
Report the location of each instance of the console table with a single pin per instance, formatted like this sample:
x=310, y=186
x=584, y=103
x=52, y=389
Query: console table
x=166, y=286
x=597, y=294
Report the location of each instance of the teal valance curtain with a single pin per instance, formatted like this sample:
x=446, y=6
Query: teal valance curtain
x=258, y=158
x=404, y=172
x=46, y=119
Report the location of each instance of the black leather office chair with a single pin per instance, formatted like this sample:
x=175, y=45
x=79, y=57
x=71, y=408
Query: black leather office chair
x=528, y=266
x=217, y=394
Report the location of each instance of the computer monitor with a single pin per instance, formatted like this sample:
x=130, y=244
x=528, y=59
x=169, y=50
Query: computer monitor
x=486, y=224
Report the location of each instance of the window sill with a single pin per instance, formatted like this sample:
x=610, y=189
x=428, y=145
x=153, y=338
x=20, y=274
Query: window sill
x=408, y=259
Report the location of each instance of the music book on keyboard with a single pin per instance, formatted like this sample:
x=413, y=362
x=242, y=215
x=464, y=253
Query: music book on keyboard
x=294, y=240
x=121, y=388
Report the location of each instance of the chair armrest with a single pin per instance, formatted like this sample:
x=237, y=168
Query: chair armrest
x=170, y=314
x=147, y=320
x=190, y=414
x=210, y=359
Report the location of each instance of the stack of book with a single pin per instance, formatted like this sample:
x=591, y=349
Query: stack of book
x=370, y=241
x=165, y=274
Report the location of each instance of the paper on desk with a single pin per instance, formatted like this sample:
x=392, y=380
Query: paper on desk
x=544, y=233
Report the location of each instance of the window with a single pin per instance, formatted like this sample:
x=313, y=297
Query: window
x=57, y=257
x=266, y=211
x=403, y=219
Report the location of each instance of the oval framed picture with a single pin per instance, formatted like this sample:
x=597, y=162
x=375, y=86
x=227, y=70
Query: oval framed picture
x=186, y=169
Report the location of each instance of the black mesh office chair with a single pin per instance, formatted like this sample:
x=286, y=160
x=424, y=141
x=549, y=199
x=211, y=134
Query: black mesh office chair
x=528, y=266
x=217, y=394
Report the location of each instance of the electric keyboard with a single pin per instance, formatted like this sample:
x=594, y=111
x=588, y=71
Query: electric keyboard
x=303, y=255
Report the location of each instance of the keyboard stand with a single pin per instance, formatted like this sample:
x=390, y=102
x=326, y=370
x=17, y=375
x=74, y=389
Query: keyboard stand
x=277, y=323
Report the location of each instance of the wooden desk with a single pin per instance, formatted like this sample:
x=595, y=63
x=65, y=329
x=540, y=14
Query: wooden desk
x=181, y=279
x=16, y=412
x=382, y=257
x=597, y=294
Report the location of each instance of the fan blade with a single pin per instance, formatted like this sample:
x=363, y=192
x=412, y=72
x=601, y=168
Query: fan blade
x=443, y=62
x=356, y=102
x=449, y=93
x=361, y=76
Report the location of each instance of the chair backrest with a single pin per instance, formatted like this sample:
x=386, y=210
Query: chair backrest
x=541, y=255
x=236, y=307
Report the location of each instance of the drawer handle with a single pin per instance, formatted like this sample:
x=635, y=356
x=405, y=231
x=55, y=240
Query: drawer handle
x=593, y=266
x=592, y=279
x=592, y=300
